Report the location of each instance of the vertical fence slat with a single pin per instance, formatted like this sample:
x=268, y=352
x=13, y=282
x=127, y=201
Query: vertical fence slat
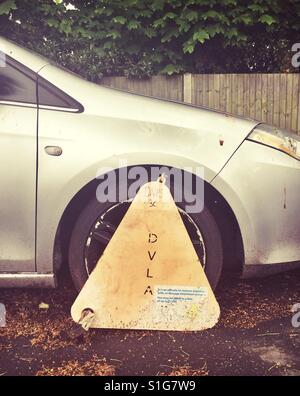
x=270, y=99
x=252, y=96
x=264, y=97
x=222, y=87
x=187, y=88
x=276, y=96
x=197, y=95
x=258, y=98
x=228, y=93
x=289, y=98
x=206, y=90
x=283, y=94
x=295, y=103
x=246, y=95
x=233, y=94
x=210, y=90
x=240, y=94
x=217, y=91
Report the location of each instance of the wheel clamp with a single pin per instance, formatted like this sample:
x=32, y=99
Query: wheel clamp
x=149, y=276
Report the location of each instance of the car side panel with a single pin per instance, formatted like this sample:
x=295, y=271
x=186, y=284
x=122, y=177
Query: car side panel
x=262, y=186
x=120, y=129
x=87, y=152
x=18, y=188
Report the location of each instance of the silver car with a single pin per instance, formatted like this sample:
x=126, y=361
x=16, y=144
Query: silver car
x=62, y=137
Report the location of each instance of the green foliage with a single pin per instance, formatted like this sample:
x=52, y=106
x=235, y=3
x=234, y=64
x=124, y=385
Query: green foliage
x=7, y=6
x=138, y=38
x=171, y=69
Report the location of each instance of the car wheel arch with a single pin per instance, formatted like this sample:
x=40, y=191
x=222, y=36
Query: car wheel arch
x=220, y=209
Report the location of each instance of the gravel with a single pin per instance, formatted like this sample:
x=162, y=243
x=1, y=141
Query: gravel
x=41, y=339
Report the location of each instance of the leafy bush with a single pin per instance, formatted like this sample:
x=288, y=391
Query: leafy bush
x=139, y=38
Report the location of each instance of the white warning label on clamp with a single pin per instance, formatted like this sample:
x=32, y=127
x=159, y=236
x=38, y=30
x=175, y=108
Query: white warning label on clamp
x=173, y=294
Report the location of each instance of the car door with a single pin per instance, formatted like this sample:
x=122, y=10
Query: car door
x=18, y=167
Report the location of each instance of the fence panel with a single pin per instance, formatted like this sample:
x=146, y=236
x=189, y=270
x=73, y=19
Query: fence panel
x=158, y=86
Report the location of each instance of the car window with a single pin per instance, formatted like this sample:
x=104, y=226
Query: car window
x=51, y=96
x=17, y=84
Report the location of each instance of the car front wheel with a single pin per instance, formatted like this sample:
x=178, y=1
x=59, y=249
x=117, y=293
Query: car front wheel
x=98, y=221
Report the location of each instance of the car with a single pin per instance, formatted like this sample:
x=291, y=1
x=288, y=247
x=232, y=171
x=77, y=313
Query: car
x=63, y=139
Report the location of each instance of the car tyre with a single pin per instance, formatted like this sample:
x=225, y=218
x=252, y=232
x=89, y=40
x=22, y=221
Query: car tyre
x=80, y=234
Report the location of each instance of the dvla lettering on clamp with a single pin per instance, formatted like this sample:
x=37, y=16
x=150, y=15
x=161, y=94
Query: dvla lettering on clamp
x=149, y=276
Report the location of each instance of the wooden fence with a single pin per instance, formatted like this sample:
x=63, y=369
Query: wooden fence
x=271, y=98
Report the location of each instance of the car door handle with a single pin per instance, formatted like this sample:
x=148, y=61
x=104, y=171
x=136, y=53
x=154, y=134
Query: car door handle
x=56, y=151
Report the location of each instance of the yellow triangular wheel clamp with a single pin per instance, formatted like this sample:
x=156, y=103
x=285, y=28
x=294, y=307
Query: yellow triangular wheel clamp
x=149, y=276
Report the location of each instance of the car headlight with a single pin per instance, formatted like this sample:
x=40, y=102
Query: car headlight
x=279, y=139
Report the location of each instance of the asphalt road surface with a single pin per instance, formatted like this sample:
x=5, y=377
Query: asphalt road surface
x=255, y=336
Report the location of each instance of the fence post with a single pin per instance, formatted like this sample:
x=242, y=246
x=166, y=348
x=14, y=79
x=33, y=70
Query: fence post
x=187, y=88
